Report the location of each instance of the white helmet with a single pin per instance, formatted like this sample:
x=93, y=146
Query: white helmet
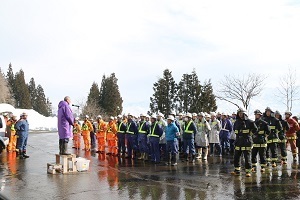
x=171, y=117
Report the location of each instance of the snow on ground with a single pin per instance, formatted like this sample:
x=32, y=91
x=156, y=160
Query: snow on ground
x=36, y=120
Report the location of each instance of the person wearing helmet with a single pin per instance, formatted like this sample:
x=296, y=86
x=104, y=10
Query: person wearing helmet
x=291, y=133
x=111, y=137
x=144, y=129
x=172, y=132
x=76, y=134
x=180, y=140
x=190, y=130
x=86, y=128
x=131, y=136
x=214, y=135
x=12, y=145
x=232, y=136
x=201, y=139
x=276, y=128
x=101, y=134
x=298, y=138
x=259, y=142
x=282, y=137
x=156, y=131
x=121, y=136
x=225, y=133
x=93, y=135
x=243, y=129
x=162, y=142
x=22, y=128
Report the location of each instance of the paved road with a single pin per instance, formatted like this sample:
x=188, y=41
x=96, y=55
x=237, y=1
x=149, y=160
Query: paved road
x=110, y=178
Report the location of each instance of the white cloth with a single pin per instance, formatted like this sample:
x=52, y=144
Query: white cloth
x=215, y=131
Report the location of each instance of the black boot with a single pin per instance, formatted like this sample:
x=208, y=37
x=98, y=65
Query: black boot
x=21, y=155
x=193, y=159
x=173, y=160
x=60, y=146
x=25, y=155
x=65, y=148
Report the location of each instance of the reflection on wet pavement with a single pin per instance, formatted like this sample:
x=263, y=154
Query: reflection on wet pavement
x=114, y=178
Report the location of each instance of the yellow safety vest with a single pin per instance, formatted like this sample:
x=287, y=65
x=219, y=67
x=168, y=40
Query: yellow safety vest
x=130, y=132
x=85, y=127
x=141, y=126
x=12, y=127
x=119, y=128
x=187, y=128
x=152, y=131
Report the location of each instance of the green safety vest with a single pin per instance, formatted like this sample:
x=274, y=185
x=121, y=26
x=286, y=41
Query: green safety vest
x=130, y=132
x=12, y=127
x=152, y=131
x=187, y=128
x=119, y=128
x=85, y=127
x=141, y=126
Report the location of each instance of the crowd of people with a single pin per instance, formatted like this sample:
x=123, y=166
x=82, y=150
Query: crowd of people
x=193, y=136
x=17, y=132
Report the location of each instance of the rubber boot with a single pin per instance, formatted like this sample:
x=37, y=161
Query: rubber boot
x=141, y=157
x=25, y=155
x=193, y=159
x=60, y=146
x=21, y=155
x=173, y=160
x=204, y=156
x=146, y=157
x=65, y=148
x=199, y=153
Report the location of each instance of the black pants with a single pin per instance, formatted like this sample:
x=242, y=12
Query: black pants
x=273, y=148
x=262, y=155
x=93, y=140
x=237, y=158
x=282, y=146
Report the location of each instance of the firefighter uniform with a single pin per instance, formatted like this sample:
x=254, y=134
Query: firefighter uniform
x=86, y=128
x=260, y=142
x=76, y=135
x=121, y=135
x=291, y=133
x=243, y=128
x=144, y=129
x=282, y=137
x=273, y=139
x=111, y=137
x=101, y=134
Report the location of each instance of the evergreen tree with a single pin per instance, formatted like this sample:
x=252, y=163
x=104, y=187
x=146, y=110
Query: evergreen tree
x=110, y=97
x=21, y=91
x=10, y=77
x=208, y=98
x=41, y=101
x=49, y=107
x=94, y=94
x=164, y=96
x=5, y=95
x=33, y=93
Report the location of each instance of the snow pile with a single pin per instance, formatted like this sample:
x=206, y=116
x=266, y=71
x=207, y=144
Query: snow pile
x=36, y=120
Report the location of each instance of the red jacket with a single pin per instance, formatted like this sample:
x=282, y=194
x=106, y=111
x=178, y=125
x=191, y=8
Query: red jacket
x=294, y=127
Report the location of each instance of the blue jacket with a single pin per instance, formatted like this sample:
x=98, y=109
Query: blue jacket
x=226, y=129
x=22, y=126
x=171, y=131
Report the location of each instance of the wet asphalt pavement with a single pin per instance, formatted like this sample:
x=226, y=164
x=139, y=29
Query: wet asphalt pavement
x=110, y=178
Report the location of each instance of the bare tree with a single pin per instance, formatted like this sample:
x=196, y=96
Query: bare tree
x=288, y=89
x=236, y=89
x=92, y=109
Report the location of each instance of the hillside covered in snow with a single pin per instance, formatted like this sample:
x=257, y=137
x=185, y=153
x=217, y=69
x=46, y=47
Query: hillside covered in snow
x=36, y=120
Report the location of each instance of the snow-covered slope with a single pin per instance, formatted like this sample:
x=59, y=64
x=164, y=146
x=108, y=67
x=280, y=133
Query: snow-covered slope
x=36, y=120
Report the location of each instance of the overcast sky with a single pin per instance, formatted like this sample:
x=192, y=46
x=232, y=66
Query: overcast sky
x=66, y=45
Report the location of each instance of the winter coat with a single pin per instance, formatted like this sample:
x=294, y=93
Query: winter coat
x=203, y=129
x=276, y=128
x=171, y=131
x=22, y=127
x=213, y=135
x=259, y=137
x=294, y=127
x=163, y=125
x=65, y=120
x=243, y=129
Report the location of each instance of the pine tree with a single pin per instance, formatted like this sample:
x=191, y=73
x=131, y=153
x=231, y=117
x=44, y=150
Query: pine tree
x=110, y=97
x=164, y=96
x=33, y=93
x=21, y=91
x=208, y=98
x=41, y=101
x=49, y=107
x=10, y=77
x=94, y=94
x=5, y=95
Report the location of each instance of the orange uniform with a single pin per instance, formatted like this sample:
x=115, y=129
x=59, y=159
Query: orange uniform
x=111, y=137
x=86, y=128
x=12, y=135
x=101, y=135
x=76, y=135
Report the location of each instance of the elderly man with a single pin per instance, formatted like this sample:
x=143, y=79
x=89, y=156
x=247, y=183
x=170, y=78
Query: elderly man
x=65, y=121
